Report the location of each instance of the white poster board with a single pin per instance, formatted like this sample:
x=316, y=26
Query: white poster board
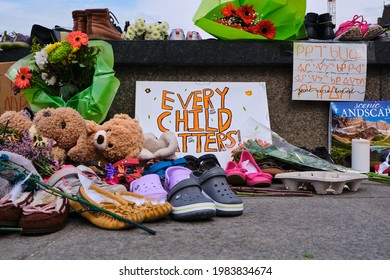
x=207, y=117
x=329, y=71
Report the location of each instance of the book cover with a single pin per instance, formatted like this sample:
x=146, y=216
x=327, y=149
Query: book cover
x=359, y=120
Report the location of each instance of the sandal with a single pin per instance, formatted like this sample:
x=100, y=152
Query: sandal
x=185, y=196
x=160, y=167
x=207, y=162
x=214, y=186
x=270, y=166
x=192, y=162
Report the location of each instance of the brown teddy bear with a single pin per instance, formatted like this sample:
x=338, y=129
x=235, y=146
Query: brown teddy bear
x=18, y=121
x=67, y=128
x=117, y=138
x=23, y=121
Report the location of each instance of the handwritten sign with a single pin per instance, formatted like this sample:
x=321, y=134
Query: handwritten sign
x=329, y=72
x=206, y=117
x=9, y=101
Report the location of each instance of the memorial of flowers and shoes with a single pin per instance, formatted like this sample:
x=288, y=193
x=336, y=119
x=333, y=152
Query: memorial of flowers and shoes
x=185, y=152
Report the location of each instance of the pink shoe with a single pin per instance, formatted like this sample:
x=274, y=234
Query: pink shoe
x=255, y=177
x=371, y=31
x=350, y=30
x=234, y=174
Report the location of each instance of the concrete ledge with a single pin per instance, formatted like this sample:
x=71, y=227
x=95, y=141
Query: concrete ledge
x=213, y=52
x=301, y=123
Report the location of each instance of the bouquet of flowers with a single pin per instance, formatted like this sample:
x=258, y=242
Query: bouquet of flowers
x=75, y=73
x=141, y=30
x=252, y=19
x=246, y=18
x=62, y=69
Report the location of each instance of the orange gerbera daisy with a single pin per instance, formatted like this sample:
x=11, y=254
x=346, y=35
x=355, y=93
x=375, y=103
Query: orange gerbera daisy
x=266, y=28
x=77, y=38
x=22, y=79
x=229, y=10
x=247, y=14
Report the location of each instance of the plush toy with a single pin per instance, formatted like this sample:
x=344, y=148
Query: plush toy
x=117, y=138
x=21, y=122
x=67, y=128
x=18, y=121
x=159, y=148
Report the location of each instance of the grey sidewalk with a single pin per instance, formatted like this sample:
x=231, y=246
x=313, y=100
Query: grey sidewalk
x=350, y=226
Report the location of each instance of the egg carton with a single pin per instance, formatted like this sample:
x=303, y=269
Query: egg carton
x=323, y=182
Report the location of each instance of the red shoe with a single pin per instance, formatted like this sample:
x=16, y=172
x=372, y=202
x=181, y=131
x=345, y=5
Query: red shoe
x=234, y=174
x=255, y=177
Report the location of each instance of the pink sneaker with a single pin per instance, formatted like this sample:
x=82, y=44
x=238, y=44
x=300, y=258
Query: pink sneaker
x=235, y=175
x=371, y=31
x=350, y=30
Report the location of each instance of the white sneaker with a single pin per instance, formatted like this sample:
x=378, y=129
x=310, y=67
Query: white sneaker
x=176, y=34
x=193, y=35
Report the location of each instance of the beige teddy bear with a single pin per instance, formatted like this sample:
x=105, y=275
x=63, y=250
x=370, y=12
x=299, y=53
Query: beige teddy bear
x=159, y=148
x=67, y=128
x=117, y=138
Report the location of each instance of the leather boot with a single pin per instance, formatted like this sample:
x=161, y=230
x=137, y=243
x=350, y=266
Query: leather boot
x=311, y=25
x=325, y=27
x=79, y=21
x=100, y=26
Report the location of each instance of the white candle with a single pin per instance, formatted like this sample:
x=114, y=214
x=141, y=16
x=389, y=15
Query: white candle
x=361, y=155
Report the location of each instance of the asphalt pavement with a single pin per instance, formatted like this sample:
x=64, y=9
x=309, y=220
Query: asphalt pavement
x=349, y=226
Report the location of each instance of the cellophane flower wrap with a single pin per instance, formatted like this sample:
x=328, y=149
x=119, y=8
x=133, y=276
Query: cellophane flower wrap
x=263, y=143
x=252, y=19
x=79, y=76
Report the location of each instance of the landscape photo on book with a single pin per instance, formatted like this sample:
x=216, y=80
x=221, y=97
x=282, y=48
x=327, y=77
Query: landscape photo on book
x=368, y=120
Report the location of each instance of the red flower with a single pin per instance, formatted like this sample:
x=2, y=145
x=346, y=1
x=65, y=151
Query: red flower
x=77, y=38
x=229, y=10
x=265, y=28
x=247, y=14
x=22, y=79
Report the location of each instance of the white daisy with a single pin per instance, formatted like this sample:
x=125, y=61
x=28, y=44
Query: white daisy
x=41, y=58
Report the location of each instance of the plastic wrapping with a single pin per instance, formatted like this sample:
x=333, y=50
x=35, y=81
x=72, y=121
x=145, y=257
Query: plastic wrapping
x=287, y=17
x=94, y=102
x=263, y=143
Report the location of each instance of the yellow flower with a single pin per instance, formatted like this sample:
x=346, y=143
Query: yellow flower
x=51, y=47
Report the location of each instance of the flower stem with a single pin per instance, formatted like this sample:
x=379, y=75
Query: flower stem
x=76, y=198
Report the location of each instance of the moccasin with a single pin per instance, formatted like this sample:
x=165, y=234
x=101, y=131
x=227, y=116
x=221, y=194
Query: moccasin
x=46, y=213
x=110, y=202
x=11, y=207
x=153, y=209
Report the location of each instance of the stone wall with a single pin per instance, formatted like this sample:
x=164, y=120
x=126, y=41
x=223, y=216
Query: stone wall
x=302, y=123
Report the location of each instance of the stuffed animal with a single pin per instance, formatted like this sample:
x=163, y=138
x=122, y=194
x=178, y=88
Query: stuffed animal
x=18, y=121
x=159, y=148
x=21, y=122
x=67, y=128
x=117, y=138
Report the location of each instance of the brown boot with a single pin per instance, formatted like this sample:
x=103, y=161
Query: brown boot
x=100, y=26
x=79, y=21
